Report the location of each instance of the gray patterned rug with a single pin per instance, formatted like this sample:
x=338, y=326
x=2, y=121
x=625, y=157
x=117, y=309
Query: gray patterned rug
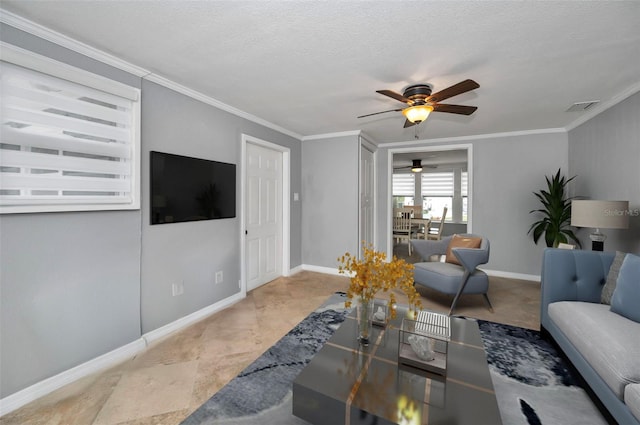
x=532, y=383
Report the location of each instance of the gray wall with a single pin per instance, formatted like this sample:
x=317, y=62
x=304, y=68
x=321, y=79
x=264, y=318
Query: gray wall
x=604, y=153
x=70, y=285
x=70, y=282
x=78, y=285
x=329, y=199
x=191, y=253
x=506, y=170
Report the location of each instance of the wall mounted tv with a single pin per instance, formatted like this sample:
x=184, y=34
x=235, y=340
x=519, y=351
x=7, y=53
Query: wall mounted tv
x=190, y=189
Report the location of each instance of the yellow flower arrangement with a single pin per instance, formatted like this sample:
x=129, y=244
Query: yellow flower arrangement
x=373, y=273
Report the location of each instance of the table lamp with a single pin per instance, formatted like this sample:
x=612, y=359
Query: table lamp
x=599, y=215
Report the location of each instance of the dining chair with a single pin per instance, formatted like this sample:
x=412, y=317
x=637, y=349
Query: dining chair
x=403, y=211
x=402, y=229
x=416, y=210
x=422, y=227
x=435, y=233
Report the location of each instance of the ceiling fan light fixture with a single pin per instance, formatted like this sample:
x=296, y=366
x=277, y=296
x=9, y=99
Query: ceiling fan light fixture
x=418, y=113
x=417, y=166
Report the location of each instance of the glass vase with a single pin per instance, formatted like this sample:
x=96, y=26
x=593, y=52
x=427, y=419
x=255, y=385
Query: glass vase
x=364, y=314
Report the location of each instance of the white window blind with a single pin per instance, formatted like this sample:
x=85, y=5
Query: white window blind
x=65, y=146
x=437, y=184
x=464, y=183
x=404, y=184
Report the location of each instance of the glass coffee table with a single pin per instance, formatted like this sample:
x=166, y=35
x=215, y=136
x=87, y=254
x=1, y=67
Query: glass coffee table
x=346, y=383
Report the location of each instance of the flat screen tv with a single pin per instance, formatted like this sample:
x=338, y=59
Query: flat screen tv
x=190, y=189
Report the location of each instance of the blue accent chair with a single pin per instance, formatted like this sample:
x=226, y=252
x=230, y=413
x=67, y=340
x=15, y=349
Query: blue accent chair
x=448, y=278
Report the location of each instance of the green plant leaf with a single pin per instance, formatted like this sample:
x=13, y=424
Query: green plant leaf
x=555, y=212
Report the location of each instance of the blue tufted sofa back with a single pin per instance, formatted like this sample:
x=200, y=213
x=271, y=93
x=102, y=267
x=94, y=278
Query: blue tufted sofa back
x=572, y=275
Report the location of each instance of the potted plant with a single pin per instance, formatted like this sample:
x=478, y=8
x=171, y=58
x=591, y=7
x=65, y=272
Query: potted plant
x=556, y=213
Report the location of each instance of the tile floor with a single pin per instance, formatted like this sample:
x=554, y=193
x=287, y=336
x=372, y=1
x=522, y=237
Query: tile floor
x=174, y=376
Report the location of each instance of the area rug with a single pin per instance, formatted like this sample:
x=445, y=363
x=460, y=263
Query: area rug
x=532, y=382
x=533, y=385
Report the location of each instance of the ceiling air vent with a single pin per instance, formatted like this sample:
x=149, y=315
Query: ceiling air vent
x=582, y=106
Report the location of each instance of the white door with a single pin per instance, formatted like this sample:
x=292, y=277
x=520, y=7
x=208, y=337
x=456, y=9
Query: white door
x=263, y=215
x=366, y=195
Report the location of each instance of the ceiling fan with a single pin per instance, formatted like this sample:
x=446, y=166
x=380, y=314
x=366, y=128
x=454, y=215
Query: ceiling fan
x=416, y=166
x=421, y=102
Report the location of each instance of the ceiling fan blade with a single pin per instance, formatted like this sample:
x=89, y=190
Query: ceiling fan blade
x=394, y=95
x=382, y=112
x=408, y=123
x=454, y=109
x=454, y=90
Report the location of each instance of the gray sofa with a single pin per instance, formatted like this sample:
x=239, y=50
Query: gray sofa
x=603, y=346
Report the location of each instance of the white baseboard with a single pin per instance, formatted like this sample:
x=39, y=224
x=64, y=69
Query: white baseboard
x=42, y=388
x=190, y=319
x=511, y=275
x=320, y=269
x=112, y=358
x=295, y=270
x=496, y=273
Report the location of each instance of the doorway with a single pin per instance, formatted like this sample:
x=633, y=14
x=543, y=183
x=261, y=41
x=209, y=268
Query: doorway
x=265, y=212
x=431, y=178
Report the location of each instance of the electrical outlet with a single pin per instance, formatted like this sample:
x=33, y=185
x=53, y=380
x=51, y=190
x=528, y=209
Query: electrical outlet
x=177, y=289
x=219, y=277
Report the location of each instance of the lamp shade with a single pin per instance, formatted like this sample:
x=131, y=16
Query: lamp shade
x=417, y=113
x=600, y=214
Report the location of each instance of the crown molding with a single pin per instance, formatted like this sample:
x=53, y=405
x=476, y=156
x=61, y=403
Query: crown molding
x=62, y=40
x=165, y=82
x=69, y=43
x=369, y=139
x=474, y=137
x=600, y=108
x=332, y=135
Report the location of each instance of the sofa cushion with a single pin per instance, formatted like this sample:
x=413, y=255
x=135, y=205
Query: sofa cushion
x=632, y=399
x=458, y=241
x=626, y=297
x=612, y=277
x=610, y=343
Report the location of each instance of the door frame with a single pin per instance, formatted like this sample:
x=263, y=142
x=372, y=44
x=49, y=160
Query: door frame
x=426, y=148
x=371, y=147
x=286, y=212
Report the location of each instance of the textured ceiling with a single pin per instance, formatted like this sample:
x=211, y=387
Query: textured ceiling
x=313, y=67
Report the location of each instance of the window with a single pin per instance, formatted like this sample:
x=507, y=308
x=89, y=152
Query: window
x=437, y=193
x=403, y=189
x=69, y=138
x=464, y=192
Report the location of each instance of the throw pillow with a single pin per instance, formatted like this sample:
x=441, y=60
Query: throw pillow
x=458, y=241
x=612, y=277
x=626, y=297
